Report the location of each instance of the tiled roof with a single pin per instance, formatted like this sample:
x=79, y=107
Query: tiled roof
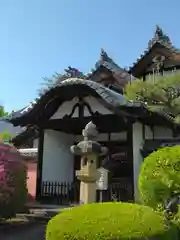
x=161, y=38
x=109, y=64
x=27, y=133
x=114, y=101
x=111, y=98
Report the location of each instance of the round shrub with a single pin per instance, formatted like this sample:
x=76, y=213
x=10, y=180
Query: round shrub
x=159, y=176
x=13, y=190
x=108, y=221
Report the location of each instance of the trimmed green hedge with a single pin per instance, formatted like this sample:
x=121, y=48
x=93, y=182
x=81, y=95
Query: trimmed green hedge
x=159, y=176
x=110, y=221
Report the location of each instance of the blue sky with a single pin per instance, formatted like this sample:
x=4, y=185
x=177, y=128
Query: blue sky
x=40, y=37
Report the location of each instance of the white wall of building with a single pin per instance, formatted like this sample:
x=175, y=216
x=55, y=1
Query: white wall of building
x=58, y=161
x=138, y=141
x=158, y=133
x=67, y=107
x=95, y=105
x=35, y=143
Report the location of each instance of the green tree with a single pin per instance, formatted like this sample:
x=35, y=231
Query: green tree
x=3, y=112
x=5, y=136
x=162, y=95
x=159, y=177
x=48, y=82
x=56, y=78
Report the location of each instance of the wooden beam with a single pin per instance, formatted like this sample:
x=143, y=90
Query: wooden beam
x=130, y=153
x=105, y=124
x=40, y=163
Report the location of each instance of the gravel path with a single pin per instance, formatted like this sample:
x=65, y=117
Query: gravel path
x=34, y=233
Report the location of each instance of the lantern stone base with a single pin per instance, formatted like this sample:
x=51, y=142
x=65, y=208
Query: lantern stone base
x=87, y=192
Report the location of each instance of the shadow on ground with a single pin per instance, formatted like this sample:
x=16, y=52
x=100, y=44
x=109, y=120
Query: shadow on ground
x=33, y=232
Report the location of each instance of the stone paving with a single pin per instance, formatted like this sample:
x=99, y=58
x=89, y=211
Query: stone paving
x=36, y=232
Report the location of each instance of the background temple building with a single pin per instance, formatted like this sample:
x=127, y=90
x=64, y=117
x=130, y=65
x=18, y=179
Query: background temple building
x=127, y=128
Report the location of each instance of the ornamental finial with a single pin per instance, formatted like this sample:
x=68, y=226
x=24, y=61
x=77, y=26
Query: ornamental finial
x=160, y=36
x=158, y=31
x=73, y=72
x=104, y=56
x=90, y=131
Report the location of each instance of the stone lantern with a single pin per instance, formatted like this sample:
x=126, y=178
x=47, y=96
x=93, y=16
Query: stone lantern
x=89, y=150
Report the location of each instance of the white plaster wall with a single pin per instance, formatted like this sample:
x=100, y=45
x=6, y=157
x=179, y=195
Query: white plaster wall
x=137, y=157
x=151, y=77
x=35, y=143
x=67, y=106
x=138, y=141
x=95, y=106
x=103, y=137
x=162, y=133
x=58, y=161
x=148, y=133
x=158, y=133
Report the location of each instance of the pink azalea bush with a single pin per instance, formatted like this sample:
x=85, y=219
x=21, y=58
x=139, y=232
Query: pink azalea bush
x=13, y=190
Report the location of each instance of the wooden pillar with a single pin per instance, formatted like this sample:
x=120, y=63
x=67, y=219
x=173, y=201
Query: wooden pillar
x=137, y=140
x=130, y=152
x=40, y=163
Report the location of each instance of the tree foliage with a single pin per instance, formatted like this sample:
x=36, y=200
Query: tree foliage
x=162, y=94
x=110, y=221
x=58, y=78
x=3, y=112
x=5, y=136
x=159, y=177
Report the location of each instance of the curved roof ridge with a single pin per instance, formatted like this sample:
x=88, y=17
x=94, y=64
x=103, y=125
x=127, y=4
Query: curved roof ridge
x=68, y=89
x=109, y=96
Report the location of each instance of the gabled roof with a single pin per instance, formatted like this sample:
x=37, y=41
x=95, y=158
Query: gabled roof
x=28, y=134
x=108, y=62
x=48, y=103
x=159, y=40
x=44, y=107
x=120, y=74
x=163, y=39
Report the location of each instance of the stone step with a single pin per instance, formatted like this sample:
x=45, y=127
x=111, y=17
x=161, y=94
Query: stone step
x=35, y=217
